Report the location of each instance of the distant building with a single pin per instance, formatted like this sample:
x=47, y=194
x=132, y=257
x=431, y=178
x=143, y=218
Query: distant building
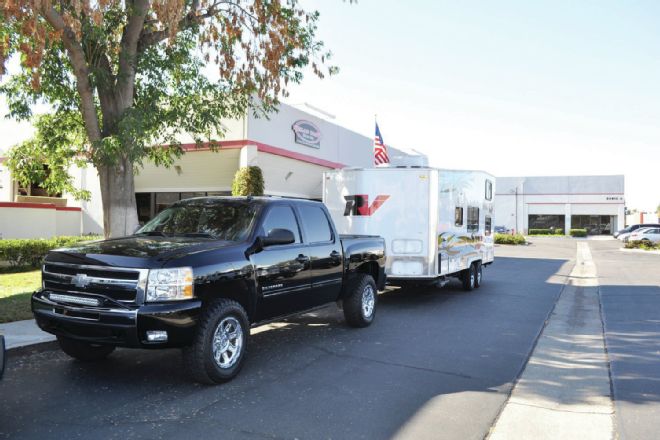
x=292, y=147
x=596, y=203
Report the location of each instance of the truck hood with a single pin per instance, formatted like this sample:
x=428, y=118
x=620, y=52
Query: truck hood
x=134, y=251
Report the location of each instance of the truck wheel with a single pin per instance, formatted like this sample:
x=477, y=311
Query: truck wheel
x=218, y=350
x=478, y=270
x=84, y=351
x=469, y=277
x=360, y=302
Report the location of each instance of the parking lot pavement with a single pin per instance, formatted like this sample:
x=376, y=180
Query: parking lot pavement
x=630, y=297
x=435, y=364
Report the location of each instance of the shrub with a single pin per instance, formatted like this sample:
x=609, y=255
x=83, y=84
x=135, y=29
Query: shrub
x=509, y=239
x=540, y=231
x=578, y=232
x=30, y=252
x=559, y=232
x=248, y=181
x=645, y=244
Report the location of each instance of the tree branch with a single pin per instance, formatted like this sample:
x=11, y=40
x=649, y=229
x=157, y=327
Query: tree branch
x=128, y=53
x=76, y=55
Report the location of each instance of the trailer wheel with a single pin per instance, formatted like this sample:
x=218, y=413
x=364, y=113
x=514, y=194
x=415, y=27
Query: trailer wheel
x=220, y=345
x=478, y=270
x=469, y=277
x=84, y=351
x=360, y=302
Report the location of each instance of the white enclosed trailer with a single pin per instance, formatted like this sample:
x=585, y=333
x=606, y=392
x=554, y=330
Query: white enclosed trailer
x=436, y=223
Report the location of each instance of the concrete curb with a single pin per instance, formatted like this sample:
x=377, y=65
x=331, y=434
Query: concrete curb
x=639, y=251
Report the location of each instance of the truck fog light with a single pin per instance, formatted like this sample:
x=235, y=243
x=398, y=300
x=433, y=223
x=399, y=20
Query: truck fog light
x=157, y=336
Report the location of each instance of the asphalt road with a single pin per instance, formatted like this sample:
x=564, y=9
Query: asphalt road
x=436, y=363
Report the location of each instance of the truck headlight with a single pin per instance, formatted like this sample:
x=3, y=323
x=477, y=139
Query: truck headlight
x=170, y=284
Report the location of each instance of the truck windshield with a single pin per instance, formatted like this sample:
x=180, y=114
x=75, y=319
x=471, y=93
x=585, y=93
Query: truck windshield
x=228, y=221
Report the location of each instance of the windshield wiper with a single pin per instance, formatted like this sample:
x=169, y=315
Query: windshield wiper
x=197, y=234
x=157, y=233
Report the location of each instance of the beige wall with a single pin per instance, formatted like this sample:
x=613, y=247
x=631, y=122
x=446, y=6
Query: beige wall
x=44, y=222
x=5, y=184
x=305, y=180
x=198, y=171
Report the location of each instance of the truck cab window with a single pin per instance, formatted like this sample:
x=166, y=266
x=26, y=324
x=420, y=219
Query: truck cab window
x=458, y=216
x=473, y=219
x=315, y=222
x=281, y=217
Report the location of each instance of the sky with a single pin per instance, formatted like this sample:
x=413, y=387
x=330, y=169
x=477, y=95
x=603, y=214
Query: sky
x=516, y=88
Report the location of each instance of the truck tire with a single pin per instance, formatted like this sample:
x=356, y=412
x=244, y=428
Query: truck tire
x=360, y=302
x=220, y=344
x=478, y=272
x=468, y=277
x=84, y=351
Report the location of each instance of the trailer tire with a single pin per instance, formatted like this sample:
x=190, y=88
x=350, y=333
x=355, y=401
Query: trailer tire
x=468, y=277
x=84, y=351
x=360, y=303
x=478, y=271
x=221, y=322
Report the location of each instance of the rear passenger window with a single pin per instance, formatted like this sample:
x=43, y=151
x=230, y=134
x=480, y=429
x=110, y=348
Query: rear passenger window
x=315, y=222
x=458, y=216
x=473, y=219
x=281, y=217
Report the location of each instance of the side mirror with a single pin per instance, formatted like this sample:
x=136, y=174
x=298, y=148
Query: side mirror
x=278, y=236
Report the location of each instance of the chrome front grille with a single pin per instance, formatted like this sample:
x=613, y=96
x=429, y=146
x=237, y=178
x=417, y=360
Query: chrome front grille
x=126, y=285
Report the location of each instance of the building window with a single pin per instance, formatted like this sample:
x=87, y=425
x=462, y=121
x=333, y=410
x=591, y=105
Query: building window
x=458, y=216
x=546, y=221
x=489, y=190
x=488, y=225
x=594, y=224
x=473, y=218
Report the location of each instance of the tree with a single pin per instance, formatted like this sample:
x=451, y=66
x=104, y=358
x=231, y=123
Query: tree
x=248, y=181
x=45, y=159
x=133, y=72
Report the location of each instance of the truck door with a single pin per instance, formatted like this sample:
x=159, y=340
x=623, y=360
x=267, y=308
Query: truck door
x=282, y=271
x=325, y=251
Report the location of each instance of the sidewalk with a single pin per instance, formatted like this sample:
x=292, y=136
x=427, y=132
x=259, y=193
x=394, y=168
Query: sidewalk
x=23, y=333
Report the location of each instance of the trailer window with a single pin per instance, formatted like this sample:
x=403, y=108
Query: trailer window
x=458, y=216
x=473, y=219
x=488, y=225
x=489, y=190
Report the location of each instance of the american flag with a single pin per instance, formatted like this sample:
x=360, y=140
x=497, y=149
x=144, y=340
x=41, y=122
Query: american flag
x=380, y=150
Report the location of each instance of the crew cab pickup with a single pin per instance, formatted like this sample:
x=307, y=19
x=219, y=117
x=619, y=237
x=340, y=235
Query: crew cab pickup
x=200, y=274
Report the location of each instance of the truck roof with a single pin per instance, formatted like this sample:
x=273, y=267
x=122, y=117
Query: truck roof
x=262, y=200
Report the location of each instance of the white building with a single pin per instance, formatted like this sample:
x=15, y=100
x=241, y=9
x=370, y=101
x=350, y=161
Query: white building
x=596, y=203
x=292, y=147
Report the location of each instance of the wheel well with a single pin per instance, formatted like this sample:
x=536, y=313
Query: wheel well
x=369, y=268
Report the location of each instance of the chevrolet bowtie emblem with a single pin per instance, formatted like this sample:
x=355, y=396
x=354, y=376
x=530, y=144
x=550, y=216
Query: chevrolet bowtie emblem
x=80, y=280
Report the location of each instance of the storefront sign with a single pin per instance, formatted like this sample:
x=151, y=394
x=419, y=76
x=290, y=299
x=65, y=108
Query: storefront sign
x=306, y=133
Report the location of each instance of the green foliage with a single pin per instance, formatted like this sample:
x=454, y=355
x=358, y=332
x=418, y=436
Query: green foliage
x=248, y=181
x=45, y=159
x=515, y=239
x=30, y=252
x=546, y=232
x=578, y=232
x=642, y=244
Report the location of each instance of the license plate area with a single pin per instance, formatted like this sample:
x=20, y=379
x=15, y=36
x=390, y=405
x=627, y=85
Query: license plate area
x=91, y=316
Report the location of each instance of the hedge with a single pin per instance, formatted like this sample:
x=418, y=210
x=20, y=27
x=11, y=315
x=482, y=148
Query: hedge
x=30, y=252
x=509, y=239
x=546, y=232
x=578, y=232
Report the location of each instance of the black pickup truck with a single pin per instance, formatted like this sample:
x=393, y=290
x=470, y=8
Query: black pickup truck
x=200, y=274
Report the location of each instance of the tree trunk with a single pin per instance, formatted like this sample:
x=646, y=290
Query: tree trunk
x=118, y=196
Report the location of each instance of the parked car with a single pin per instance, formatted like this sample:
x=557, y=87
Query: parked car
x=3, y=358
x=200, y=274
x=651, y=235
x=502, y=230
x=632, y=228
